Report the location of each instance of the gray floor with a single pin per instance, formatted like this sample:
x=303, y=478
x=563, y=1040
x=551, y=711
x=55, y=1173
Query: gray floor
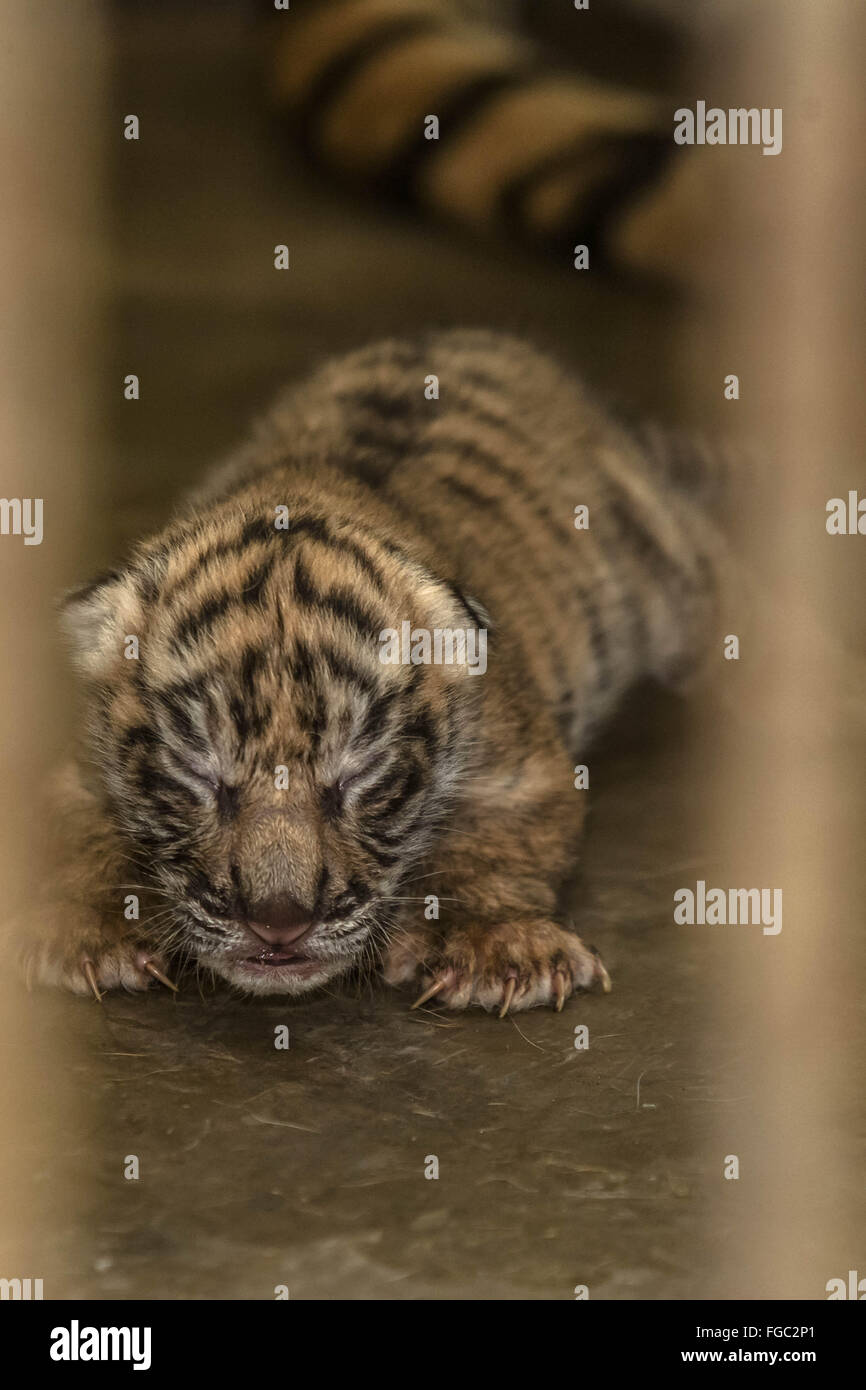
x=305, y=1167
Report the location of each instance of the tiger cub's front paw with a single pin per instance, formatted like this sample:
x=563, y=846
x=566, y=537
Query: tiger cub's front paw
x=88, y=961
x=506, y=966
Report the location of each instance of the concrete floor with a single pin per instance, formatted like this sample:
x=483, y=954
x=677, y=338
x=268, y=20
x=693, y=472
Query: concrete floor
x=305, y=1167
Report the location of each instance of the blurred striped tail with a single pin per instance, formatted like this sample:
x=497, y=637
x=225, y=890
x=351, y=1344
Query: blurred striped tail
x=466, y=121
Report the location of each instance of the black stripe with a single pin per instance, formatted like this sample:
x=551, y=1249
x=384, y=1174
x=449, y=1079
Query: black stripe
x=547, y=583
x=321, y=885
x=377, y=443
x=302, y=665
x=472, y=606
x=255, y=529
x=630, y=163
x=146, y=584
x=412, y=785
x=156, y=784
x=215, y=907
x=138, y=736
x=87, y=591
x=341, y=70
x=400, y=835
x=356, y=895
x=359, y=890
x=641, y=161
x=343, y=604
x=471, y=452
x=304, y=590
x=392, y=406
x=338, y=603
x=471, y=494
x=374, y=719
x=383, y=857
x=479, y=415
x=240, y=718
x=228, y=801
x=361, y=558
x=332, y=801
x=249, y=721
x=240, y=896
x=253, y=661
x=380, y=449
x=194, y=688
x=317, y=529
x=392, y=777
x=313, y=717
x=255, y=583
x=194, y=625
x=399, y=552
x=306, y=525
x=467, y=451
x=199, y=886
x=395, y=839
x=249, y=718
x=421, y=726
x=368, y=472
x=456, y=111
x=181, y=721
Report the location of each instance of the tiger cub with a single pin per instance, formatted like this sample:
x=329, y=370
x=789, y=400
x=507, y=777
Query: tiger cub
x=334, y=707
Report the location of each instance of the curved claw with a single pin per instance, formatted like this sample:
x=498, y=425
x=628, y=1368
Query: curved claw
x=602, y=973
x=510, y=987
x=90, y=976
x=429, y=993
x=158, y=975
x=560, y=990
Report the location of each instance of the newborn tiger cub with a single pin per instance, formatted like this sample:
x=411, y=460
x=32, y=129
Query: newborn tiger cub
x=334, y=708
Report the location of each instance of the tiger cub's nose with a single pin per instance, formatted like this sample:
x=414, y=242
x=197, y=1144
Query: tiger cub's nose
x=279, y=921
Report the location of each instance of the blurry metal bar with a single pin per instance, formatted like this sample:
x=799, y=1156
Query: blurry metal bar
x=790, y=803
x=52, y=264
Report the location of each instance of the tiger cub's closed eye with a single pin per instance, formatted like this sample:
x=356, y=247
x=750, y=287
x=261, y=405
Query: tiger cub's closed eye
x=334, y=795
x=187, y=768
x=224, y=794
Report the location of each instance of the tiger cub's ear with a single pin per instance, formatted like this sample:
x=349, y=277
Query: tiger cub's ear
x=98, y=617
x=477, y=612
x=459, y=639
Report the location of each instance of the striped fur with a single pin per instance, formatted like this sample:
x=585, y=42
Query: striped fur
x=259, y=649
x=522, y=149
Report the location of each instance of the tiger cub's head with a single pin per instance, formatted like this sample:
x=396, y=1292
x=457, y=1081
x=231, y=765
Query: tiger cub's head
x=269, y=773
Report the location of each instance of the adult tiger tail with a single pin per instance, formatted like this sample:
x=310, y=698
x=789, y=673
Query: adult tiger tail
x=414, y=99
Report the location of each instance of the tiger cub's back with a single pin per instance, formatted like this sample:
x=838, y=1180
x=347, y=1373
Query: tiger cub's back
x=595, y=561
